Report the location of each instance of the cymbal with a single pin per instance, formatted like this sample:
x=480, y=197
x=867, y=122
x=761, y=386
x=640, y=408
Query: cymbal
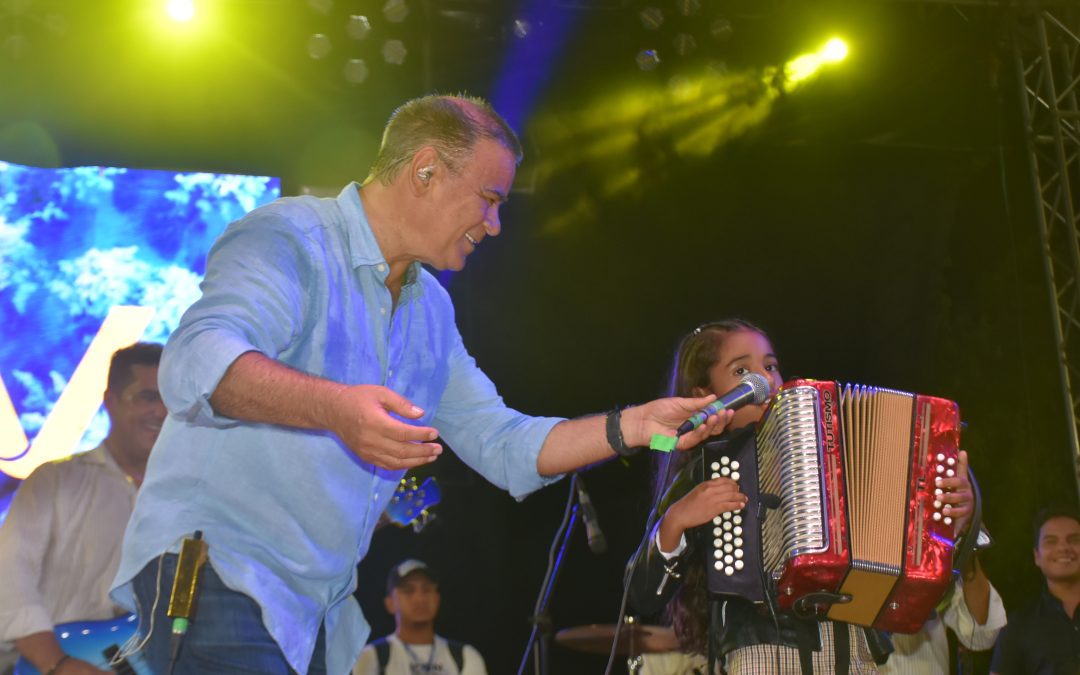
x=634, y=639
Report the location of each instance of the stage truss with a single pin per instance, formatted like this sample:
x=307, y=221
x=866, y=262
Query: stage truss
x=1046, y=49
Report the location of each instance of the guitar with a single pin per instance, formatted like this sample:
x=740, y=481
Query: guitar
x=94, y=642
x=411, y=505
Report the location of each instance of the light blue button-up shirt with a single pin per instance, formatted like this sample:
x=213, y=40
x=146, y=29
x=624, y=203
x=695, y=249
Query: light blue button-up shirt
x=288, y=513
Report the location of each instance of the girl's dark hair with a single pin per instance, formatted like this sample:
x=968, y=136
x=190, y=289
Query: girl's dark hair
x=694, y=359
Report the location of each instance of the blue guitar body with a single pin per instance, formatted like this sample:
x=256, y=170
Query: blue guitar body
x=87, y=640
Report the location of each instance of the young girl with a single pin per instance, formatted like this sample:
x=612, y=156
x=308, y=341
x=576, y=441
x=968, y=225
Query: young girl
x=743, y=636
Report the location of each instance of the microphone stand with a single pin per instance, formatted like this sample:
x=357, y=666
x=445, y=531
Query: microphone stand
x=540, y=637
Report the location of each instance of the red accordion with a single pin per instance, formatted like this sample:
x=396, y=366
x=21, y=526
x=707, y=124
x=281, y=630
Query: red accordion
x=845, y=521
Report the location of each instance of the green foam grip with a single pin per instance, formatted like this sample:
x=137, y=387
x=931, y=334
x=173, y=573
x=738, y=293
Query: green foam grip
x=662, y=443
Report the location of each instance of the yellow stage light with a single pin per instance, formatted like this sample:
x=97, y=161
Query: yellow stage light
x=834, y=50
x=180, y=10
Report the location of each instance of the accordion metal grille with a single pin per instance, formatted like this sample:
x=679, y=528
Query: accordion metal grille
x=789, y=462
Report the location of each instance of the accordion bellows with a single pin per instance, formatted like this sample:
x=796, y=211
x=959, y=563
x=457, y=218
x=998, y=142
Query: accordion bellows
x=844, y=520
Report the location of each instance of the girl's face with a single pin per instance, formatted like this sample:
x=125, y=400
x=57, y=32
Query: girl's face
x=743, y=352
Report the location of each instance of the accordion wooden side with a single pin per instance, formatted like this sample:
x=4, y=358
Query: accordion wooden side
x=843, y=521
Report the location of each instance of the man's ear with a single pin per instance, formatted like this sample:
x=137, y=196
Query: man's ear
x=388, y=602
x=422, y=168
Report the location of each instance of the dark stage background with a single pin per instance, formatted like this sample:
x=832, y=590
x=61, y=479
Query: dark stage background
x=878, y=222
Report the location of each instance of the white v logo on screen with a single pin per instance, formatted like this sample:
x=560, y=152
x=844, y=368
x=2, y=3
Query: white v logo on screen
x=80, y=400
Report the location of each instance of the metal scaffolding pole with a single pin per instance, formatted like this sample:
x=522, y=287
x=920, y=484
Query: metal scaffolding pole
x=1047, y=55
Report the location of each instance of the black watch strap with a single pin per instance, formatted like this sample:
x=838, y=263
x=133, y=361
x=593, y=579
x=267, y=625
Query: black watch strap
x=613, y=426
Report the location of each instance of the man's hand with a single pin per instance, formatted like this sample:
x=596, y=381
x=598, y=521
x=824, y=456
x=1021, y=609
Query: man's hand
x=958, y=495
x=43, y=651
x=363, y=417
x=665, y=415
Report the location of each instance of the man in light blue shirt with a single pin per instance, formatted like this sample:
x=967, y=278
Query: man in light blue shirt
x=322, y=361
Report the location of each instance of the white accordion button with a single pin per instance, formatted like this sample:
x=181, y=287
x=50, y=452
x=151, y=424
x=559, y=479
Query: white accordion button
x=728, y=548
x=718, y=554
x=940, y=456
x=715, y=466
x=938, y=491
x=727, y=525
x=717, y=520
x=727, y=537
x=937, y=516
x=714, y=475
x=937, y=504
x=738, y=554
x=734, y=475
x=726, y=515
x=729, y=571
x=734, y=465
x=738, y=541
x=737, y=519
x=725, y=471
x=948, y=520
x=950, y=473
x=729, y=559
x=738, y=531
x=718, y=565
x=739, y=564
x=951, y=461
x=725, y=460
x=940, y=468
x=718, y=543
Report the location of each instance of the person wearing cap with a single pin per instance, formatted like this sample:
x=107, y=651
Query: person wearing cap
x=412, y=596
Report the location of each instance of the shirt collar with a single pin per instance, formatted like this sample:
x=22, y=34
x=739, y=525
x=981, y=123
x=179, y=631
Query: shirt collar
x=364, y=250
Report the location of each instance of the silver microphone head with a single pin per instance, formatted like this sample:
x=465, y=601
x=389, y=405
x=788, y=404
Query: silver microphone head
x=759, y=384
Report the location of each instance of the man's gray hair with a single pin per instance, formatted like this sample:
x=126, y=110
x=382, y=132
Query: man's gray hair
x=452, y=125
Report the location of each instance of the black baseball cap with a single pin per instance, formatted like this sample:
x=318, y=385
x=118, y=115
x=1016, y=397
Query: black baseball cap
x=404, y=569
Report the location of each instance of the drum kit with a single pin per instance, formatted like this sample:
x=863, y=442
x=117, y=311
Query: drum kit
x=634, y=641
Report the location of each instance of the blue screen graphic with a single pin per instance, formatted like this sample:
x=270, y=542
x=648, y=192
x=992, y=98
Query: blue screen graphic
x=76, y=242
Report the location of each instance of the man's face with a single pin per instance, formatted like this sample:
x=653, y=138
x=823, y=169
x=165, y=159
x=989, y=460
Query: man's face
x=415, y=600
x=465, y=207
x=136, y=413
x=1058, y=552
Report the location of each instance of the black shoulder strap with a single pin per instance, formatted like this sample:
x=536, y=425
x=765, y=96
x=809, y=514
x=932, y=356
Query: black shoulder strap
x=457, y=650
x=382, y=650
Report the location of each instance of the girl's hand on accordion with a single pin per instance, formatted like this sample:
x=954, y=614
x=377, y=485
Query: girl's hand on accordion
x=706, y=501
x=958, y=497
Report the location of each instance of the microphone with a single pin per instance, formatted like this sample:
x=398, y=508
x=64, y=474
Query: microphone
x=597, y=543
x=753, y=388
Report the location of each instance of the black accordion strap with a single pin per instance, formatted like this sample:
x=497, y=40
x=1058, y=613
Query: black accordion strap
x=842, y=641
x=966, y=549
